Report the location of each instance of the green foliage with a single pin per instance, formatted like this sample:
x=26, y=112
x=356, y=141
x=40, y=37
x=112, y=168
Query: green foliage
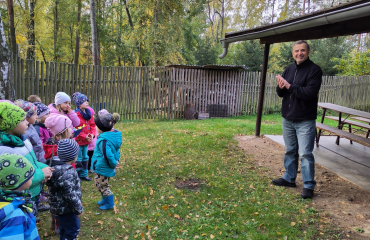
x=354, y=64
x=206, y=52
x=324, y=53
x=284, y=56
x=250, y=54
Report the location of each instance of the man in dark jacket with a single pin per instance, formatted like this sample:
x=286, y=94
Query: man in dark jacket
x=299, y=86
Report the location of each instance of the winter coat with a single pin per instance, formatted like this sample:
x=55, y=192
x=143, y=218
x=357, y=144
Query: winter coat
x=64, y=189
x=300, y=100
x=43, y=132
x=106, y=153
x=32, y=135
x=88, y=129
x=27, y=151
x=17, y=223
x=91, y=145
x=72, y=115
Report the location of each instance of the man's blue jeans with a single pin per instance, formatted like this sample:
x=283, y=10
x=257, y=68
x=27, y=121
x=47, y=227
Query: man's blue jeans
x=299, y=138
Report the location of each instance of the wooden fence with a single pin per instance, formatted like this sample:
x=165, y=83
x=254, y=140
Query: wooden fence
x=162, y=92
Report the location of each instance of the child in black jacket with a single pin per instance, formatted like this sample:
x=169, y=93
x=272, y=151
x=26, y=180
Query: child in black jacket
x=65, y=190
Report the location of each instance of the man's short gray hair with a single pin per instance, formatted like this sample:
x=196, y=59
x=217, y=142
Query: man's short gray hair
x=300, y=42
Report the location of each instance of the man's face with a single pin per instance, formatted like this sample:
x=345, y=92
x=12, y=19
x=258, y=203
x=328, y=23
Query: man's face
x=300, y=53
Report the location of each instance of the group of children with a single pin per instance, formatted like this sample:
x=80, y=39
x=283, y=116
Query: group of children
x=53, y=145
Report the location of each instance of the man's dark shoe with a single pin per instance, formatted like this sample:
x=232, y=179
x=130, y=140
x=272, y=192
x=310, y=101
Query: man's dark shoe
x=283, y=182
x=307, y=193
x=37, y=219
x=85, y=179
x=43, y=207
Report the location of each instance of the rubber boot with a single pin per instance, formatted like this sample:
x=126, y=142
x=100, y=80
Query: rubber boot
x=109, y=203
x=101, y=202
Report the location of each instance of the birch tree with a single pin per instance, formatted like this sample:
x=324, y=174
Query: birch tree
x=6, y=85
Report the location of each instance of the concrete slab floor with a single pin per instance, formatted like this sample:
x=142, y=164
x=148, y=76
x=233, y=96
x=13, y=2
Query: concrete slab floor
x=349, y=161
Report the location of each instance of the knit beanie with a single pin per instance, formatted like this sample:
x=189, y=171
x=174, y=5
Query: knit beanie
x=103, y=111
x=104, y=122
x=58, y=123
x=42, y=109
x=15, y=170
x=10, y=116
x=67, y=150
x=79, y=98
x=28, y=107
x=61, y=97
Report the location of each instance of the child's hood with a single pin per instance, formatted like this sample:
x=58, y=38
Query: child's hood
x=114, y=137
x=53, y=109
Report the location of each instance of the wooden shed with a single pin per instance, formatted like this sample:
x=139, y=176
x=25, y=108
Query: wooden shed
x=213, y=89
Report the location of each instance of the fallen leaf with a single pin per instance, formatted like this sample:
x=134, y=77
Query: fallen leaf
x=177, y=216
x=45, y=234
x=151, y=192
x=119, y=219
x=211, y=236
x=292, y=224
x=142, y=235
x=251, y=186
x=115, y=209
x=165, y=207
x=100, y=222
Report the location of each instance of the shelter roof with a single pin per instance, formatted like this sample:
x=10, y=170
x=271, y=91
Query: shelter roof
x=345, y=19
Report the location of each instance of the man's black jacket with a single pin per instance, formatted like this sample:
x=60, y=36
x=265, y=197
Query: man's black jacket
x=300, y=100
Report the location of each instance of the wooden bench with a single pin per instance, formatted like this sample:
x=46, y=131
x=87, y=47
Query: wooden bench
x=352, y=123
x=341, y=133
x=362, y=119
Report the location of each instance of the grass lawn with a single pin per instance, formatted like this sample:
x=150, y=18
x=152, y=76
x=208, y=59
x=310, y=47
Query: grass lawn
x=233, y=199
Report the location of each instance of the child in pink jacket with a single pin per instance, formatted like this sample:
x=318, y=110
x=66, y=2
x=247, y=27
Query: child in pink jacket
x=62, y=106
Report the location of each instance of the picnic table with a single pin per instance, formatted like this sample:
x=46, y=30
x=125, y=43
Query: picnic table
x=338, y=131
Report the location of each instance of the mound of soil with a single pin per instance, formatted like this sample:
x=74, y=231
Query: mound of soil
x=343, y=203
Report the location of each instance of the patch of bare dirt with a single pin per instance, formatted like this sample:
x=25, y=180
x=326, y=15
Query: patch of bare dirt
x=343, y=203
x=191, y=184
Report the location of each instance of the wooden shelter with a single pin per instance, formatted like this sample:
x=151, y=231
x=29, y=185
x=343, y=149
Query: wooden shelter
x=342, y=20
x=215, y=89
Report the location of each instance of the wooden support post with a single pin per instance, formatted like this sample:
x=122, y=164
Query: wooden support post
x=262, y=89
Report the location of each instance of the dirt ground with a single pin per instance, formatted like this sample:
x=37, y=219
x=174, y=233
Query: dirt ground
x=343, y=203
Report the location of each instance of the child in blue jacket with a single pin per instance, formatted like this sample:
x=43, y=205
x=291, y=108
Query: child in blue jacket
x=16, y=218
x=105, y=158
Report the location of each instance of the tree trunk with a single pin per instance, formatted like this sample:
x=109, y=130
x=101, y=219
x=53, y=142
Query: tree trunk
x=155, y=43
x=304, y=4
x=308, y=6
x=6, y=86
x=132, y=27
x=13, y=42
x=31, y=31
x=56, y=29
x=94, y=34
x=272, y=12
x=77, y=45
